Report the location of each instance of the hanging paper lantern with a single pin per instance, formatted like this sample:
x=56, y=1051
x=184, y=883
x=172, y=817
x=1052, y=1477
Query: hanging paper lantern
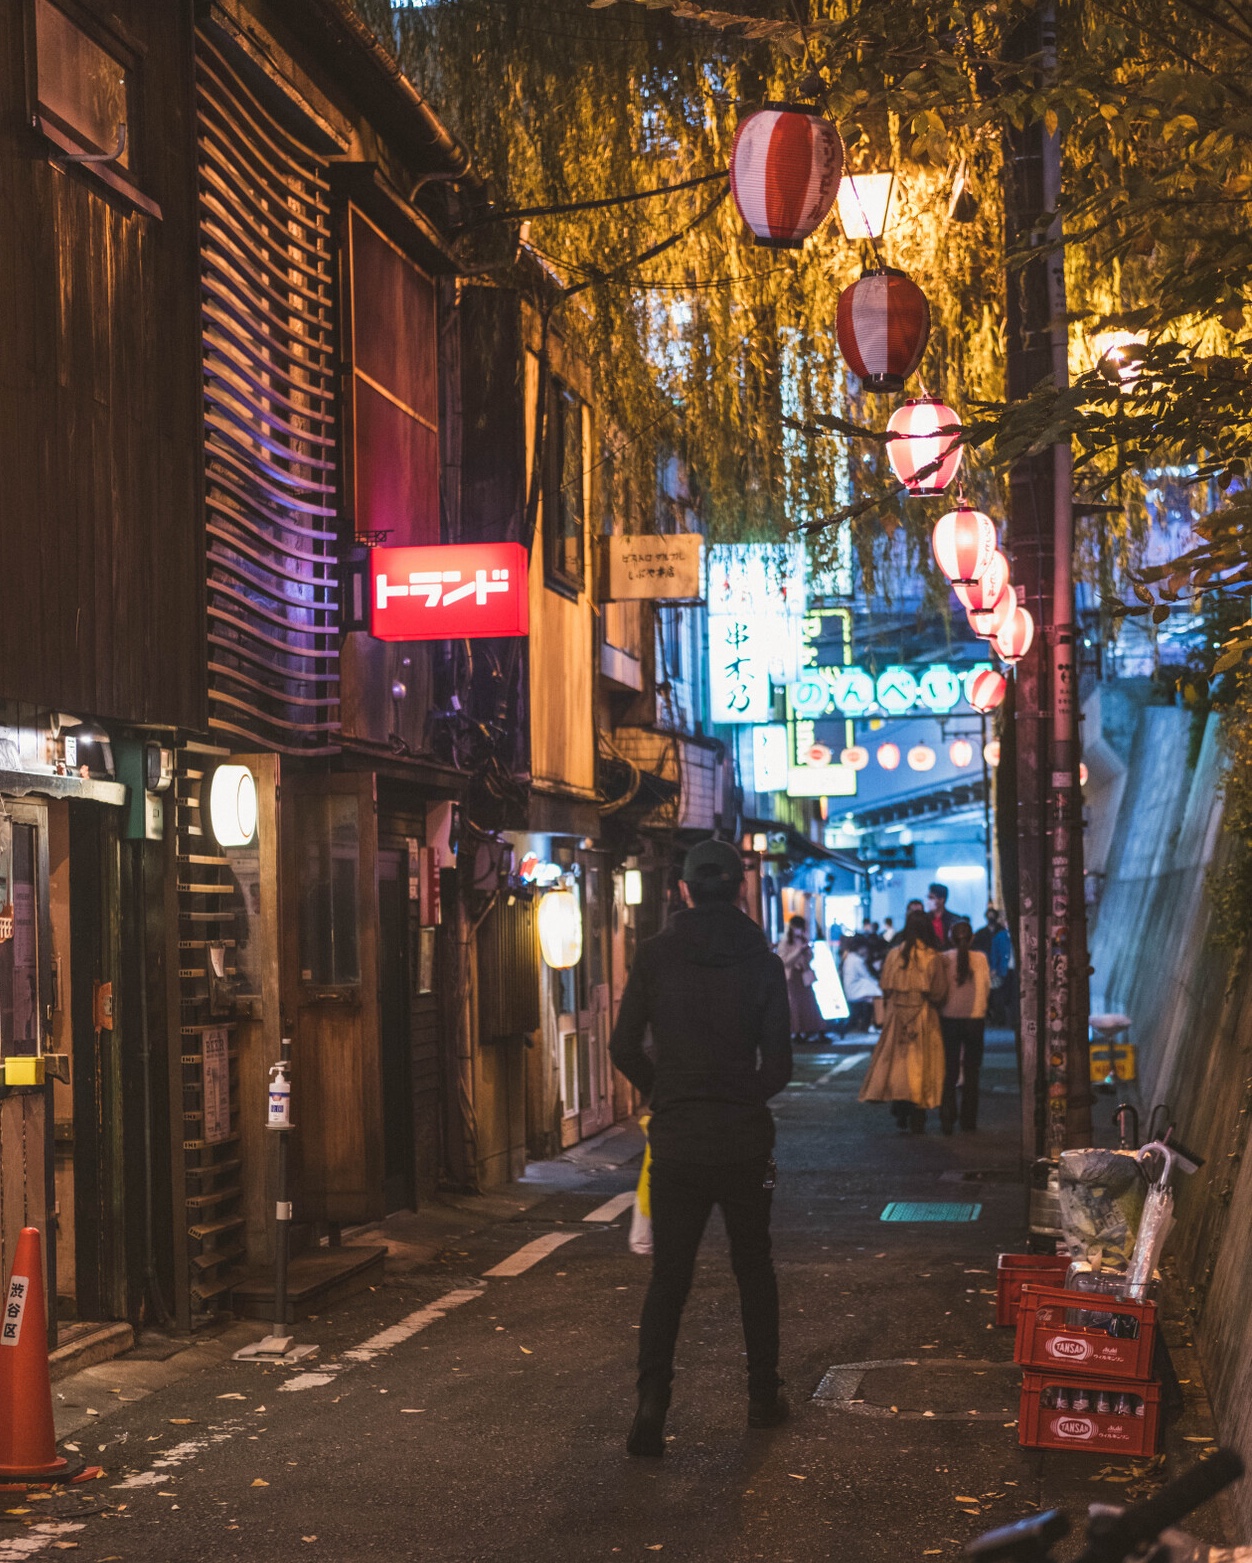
x=984, y=593
x=1015, y=638
x=855, y=758
x=921, y=758
x=888, y=756
x=964, y=544
x=882, y=325
x=560, y=929
x=961, y=753
x=1084, y=775
x=819, y=754
x=988, y=690
x=924, y=459
x=989, y=624
x=785, y=167
x=991, y=752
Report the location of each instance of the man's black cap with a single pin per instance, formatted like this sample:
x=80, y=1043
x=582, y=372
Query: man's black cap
x=710, y=862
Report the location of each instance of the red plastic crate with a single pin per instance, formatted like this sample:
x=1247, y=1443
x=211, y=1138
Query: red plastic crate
x=1048, y=1427
x=1017, y=1270
x=1045, y=1340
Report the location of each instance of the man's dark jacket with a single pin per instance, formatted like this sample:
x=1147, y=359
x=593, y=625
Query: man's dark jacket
x=715, y=997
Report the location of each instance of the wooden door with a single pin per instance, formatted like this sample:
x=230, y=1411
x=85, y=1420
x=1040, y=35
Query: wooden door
x=331, y=993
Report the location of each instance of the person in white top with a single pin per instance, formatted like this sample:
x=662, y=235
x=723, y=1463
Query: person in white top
x=962, y=1020
x=860, y=987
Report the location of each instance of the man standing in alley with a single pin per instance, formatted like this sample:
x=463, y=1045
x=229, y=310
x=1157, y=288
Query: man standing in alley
x=715, y=998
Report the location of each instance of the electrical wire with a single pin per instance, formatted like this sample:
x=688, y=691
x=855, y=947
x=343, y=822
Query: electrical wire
x=596, y=204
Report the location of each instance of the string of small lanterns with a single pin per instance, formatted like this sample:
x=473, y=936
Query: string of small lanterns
x=787, y=171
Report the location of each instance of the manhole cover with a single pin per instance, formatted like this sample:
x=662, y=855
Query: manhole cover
x=929, y=1210
x=947, y=1390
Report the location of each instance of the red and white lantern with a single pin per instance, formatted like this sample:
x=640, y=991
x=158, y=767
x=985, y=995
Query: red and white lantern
x=961, y=753
x=889, y=756
x=856, y=758
x=927, y=449
x=986, y=591
x=921, y=757
x=964, y=544
x=882, y=326
x=987, y=623
x=1015, y=638
x=988, y=690
x=785, y=167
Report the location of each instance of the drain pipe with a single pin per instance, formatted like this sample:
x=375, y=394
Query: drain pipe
x=145, y=1056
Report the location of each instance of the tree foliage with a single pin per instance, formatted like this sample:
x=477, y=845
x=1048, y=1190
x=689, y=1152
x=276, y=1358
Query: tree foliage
x=726, y=352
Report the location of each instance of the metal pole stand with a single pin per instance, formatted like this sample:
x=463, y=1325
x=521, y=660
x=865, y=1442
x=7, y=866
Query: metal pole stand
x=277, y=1346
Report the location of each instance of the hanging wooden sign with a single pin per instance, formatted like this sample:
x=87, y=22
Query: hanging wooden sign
x=652, y=568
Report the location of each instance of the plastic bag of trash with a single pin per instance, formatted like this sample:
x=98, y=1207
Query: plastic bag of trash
x=1101, y=1196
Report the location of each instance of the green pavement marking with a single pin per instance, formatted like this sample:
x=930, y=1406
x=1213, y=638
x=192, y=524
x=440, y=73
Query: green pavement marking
x=929, y=1210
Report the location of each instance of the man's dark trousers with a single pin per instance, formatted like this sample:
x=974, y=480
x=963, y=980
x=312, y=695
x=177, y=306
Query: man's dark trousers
x=683, y=1195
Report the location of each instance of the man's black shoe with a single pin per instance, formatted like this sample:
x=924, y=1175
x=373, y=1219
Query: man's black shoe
x=768, y=1413
x=647, y=1432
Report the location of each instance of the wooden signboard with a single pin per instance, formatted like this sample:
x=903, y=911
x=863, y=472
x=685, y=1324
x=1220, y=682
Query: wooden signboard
x=215, y=1067
x=656, y=568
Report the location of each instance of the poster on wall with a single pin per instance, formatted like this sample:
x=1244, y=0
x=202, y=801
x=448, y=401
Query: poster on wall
x=215, y=1075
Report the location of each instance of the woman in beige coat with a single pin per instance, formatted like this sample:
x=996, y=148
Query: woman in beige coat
x=907, y=1067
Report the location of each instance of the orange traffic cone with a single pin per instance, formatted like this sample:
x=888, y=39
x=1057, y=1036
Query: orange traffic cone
x=28, y=1451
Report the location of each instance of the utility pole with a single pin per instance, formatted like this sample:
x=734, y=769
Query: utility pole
x=1050, y=923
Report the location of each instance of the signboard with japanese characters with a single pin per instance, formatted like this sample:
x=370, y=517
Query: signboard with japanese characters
x=463, y=591
x=739, y=681
x=757, y=578
x=14, y=1308
x=653, y=567
x=215, y=1074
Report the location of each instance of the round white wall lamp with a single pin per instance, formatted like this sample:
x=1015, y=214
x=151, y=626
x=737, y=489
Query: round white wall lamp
x=232, y=805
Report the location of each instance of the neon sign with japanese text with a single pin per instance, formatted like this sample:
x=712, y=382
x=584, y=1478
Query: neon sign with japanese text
x=464, y=591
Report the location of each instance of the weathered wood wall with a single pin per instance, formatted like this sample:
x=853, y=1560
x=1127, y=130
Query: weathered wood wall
x=101, y=595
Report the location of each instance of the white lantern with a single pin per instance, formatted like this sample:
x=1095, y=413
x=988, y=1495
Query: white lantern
x=991, y=752
x=964, y=543
x=863, y=202
x=560, y=929
x=921, y=757
x=961, y=753
x=927, y=449
x=855, y=758
x=232, y=805
x=888, y=756
x=632, y=887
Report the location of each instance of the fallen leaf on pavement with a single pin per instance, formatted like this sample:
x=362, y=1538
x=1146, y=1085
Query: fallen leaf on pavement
x=256, y=1410
x=795, y=1477
x=963, y=1498
x=17, y=1511
x=65, y=1546
x=178, y=1421
x=654, y=1546
x=308, y=1538
x=412, y=1410
x=260, y=1483
x=234, y=1395
x=527, y=1350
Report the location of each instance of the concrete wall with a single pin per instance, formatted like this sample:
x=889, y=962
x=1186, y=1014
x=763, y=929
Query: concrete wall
x=1191, y=1008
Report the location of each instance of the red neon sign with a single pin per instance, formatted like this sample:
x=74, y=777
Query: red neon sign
x=464, y=591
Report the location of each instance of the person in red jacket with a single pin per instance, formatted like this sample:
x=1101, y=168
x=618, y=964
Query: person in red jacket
x=715, y=997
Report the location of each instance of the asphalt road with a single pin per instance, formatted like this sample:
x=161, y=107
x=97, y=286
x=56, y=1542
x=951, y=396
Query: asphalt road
x=489, y=1424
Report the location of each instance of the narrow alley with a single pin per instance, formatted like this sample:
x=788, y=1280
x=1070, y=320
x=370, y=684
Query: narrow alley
x=457, y=1415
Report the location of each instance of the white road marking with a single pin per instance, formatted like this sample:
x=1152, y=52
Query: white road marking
x=179, y=1454
x=531, y=1253
x=306, y=1381
x=841, y=1068
x=612, y=1208
x=409, y=1326
x=13, y=1549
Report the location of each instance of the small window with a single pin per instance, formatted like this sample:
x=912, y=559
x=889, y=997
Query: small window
x=563, y=510
x=329, y=891
x=83, y=90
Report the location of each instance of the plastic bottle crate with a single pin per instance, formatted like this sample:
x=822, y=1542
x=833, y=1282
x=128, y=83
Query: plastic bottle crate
x=1040, y=1426
x=1046, y=1338
x=1017, y=1270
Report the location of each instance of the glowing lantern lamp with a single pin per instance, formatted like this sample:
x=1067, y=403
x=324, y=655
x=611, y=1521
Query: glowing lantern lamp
x=232, y=805
x=1084, y=775
x=632, y=887
x=888, y=756
x=991, y=752
x=785, y=167
x=923, y=458
x=961, y=753
x=921, y=758
x=863, y=203
x=964, y=544
x=988, y=689
x=1016, y=637
x=989, y=624
x=986, y=591
x=560, y=929
x=856, y=758
x=882, y=327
